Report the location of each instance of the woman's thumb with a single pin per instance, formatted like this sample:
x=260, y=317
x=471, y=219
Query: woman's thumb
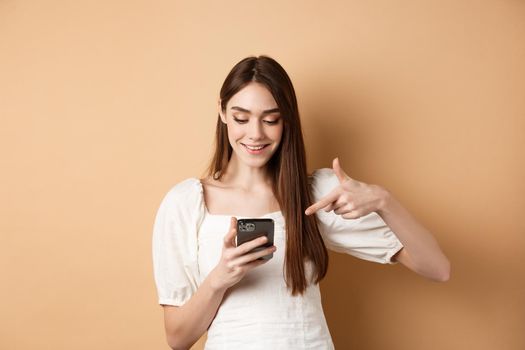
x=229, y=238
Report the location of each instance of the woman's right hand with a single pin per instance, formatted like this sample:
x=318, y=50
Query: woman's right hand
x=235, y=262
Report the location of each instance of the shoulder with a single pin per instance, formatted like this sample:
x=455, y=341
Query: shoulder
x=322, y=181
x=323, y=177
x=188, y=190
x=321, y=173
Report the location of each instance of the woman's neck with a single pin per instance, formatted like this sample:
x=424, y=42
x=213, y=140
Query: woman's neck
x=246, y=178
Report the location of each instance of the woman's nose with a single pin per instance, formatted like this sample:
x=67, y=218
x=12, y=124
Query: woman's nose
x=255, y=130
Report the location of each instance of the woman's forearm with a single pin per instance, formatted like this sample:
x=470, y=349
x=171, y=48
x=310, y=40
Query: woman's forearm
x=419, y=243
x=187, y=323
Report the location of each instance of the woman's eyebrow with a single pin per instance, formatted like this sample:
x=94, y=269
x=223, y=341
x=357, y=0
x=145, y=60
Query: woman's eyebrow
x=268, y=111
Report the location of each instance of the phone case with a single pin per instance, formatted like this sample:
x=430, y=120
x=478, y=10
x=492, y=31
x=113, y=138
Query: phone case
x=248, y=229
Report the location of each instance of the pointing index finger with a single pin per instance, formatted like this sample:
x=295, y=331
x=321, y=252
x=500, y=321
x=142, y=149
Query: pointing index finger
x=323, y=202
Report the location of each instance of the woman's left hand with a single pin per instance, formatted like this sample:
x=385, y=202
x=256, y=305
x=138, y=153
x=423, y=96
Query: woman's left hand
x=351, y=199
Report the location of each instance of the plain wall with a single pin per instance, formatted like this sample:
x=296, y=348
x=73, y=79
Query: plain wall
x=105, y=105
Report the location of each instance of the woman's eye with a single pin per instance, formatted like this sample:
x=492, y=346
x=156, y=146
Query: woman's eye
x=240, y=121
x=243, y=121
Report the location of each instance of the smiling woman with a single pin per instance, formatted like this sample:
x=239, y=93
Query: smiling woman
x=257, y=125
x=258, y=171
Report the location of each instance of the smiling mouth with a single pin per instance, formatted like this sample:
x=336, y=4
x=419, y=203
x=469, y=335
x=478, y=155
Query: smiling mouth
x=254, y=148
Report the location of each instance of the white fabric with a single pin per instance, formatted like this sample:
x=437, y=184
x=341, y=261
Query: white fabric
x=258, y=312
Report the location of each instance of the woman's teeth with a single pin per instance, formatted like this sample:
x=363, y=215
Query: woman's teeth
x=255, y=148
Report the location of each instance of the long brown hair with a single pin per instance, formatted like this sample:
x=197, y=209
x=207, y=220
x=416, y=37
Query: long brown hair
x=287, y=167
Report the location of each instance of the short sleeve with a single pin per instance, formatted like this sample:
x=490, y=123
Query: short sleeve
x=368, y=237
x=174, y=244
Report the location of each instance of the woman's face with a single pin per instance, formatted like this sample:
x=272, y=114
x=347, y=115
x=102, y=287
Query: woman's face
x=253, y=119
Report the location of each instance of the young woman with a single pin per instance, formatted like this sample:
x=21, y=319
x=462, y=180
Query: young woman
x=206, y=282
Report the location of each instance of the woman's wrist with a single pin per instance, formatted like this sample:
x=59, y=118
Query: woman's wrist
x=384, y=199
x=215, y=284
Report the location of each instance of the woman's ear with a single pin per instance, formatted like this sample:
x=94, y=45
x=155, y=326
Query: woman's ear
x=223, y=117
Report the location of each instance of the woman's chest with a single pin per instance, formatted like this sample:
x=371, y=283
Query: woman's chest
x=224, y=201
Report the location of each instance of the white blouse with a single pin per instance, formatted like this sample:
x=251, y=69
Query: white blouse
x=259, y=311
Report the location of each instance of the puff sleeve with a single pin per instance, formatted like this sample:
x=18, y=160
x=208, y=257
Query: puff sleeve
x=367, y=237
x=175, y=245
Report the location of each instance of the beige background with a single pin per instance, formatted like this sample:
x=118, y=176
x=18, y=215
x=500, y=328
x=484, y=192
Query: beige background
x=107, y=104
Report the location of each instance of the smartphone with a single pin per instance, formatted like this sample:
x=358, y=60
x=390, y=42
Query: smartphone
x=248, y=229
